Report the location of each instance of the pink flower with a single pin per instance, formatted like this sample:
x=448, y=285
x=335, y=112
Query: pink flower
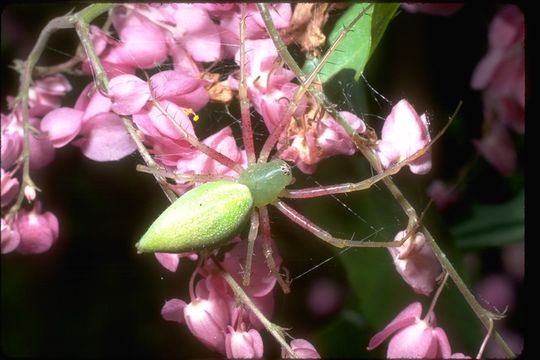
x=325, y=297
x=444, y=9
x=497, y=148
x=496, y=292
x=303, y=350
x=207, y=319
x=262, y=280
x=403, y=134
x=501, y=72
x=414, y=338
x=170, y=261
x=416, y=262
x=38, y=231
x=241, y=344
x=103, y=136
x=9, y=188
x=442, y=194
x=10, y=237
x=320, y=140
x=47, y=94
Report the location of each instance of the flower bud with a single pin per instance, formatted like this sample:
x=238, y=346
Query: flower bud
x=243, y=344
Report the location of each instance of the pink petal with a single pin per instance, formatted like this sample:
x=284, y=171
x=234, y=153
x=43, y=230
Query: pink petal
x=173, y=310
x=168, y=261
x=414, y=341
x=444, y=350
x=62, y=125
x=406, y=317
x=485, y=69
x=10, y=237
x=128, y=94
x=41, y=152
x=507, y=27
x=105, y=138
x=198, y=33
x=10, y=187
x=142, y=42
x=303, y=349
x=444, y=9
x=243, y=344
x=497, y=149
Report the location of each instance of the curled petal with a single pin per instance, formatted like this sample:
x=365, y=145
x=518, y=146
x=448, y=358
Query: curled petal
x=173, y=310
x=405, y=318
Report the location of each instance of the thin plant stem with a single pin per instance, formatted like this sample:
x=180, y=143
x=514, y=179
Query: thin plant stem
x=484, y=315
x=62, y=22
x=276, y=331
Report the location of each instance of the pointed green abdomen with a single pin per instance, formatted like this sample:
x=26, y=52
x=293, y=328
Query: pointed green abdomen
x=204, y=217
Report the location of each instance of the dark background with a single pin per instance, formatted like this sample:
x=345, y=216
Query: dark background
x=91, y=295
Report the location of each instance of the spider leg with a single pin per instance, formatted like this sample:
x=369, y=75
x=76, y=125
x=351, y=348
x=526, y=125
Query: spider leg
x=307, y=224
x=267, y=249
x=247, y=129
x=193, y=141
x=253, y=230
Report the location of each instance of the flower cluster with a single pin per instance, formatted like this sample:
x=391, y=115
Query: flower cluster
x=501, y=76
x=215, y=316
x=33, y=231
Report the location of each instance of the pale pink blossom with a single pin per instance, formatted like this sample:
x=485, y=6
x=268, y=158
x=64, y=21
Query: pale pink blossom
x=513, y=258
x=303, y=350
x=184, y=90
x=320, y=140
x=413, y=337
x=497, y=148
x=242, y=344
x=10, y=237
x=207, y=319
x=416, y=262
x=403, y=134
x=30, y=193
x=442, y=194
x=501, y=72
x=9, y=188
x=443, y=9
x=38, y=231
x=496, y=292
x=325, y=297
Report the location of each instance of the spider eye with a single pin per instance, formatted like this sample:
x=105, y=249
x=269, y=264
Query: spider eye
x=285, y=169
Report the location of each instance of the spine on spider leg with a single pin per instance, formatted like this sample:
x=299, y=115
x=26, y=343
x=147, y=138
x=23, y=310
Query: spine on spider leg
x=247, y=130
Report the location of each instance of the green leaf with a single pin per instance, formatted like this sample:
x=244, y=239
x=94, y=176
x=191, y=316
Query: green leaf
x=492, y=225
x=358, y=45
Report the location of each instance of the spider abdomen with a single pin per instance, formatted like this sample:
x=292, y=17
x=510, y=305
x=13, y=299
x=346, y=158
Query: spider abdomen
x=203, y=217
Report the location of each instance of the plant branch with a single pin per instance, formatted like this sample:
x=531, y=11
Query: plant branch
x=483, y=314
